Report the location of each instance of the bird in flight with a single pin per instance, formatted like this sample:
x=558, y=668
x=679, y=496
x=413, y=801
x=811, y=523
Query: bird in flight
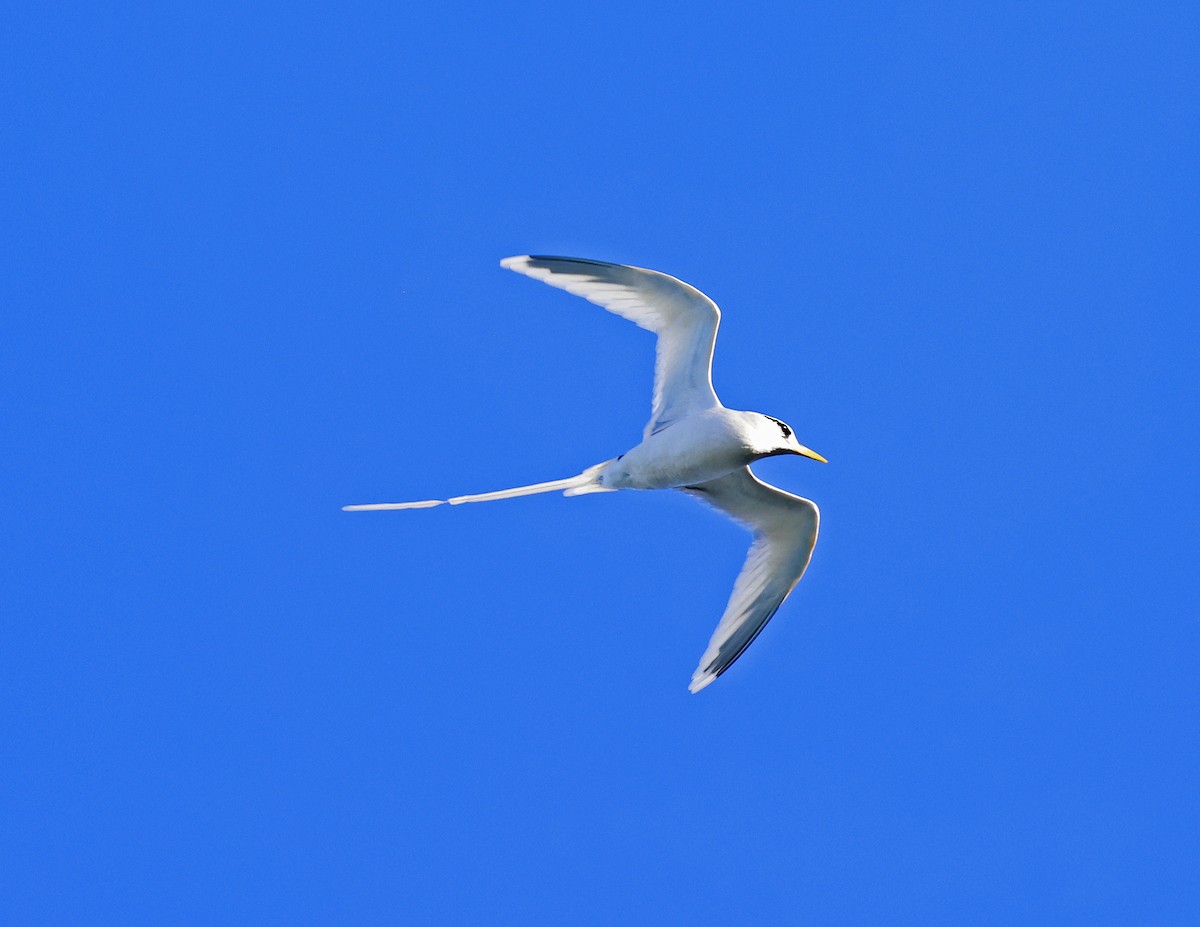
x=691, y=443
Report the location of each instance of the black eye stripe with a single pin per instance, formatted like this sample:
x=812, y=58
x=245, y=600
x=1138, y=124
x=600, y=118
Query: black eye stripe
x=787, y=432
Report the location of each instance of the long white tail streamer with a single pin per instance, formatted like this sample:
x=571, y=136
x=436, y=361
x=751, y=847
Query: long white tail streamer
x=586, y=482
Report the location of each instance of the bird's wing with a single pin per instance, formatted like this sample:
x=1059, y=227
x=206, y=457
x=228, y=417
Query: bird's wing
x=684, y=319
x=785, y=532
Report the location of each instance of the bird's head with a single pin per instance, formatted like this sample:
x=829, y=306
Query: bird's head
x=775, y=437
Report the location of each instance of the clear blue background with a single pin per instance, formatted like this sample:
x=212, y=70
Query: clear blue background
x=249, y=274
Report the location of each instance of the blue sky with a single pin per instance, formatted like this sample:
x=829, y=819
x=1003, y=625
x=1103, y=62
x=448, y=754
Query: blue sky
x=250, y=274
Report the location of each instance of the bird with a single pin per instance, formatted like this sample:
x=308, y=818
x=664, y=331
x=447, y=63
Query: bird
x=692, y=443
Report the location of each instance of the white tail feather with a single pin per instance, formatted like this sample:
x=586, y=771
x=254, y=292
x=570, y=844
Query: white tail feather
x=381, y=506
x=586, y=482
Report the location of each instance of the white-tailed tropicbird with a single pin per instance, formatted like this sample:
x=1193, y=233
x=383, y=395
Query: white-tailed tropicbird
x=691, y=443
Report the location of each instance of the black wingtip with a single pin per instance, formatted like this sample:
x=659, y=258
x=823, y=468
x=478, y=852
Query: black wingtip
x=543, y=258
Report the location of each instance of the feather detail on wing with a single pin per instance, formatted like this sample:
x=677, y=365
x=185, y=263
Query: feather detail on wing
x=684, y=319
x=785, y=532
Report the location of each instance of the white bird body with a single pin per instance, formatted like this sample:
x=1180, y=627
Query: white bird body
x=691, y=443
x=695, y=449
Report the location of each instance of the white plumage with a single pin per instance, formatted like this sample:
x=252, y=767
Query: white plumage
x=691, y=443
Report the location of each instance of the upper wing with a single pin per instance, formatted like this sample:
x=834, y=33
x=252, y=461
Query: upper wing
x=785, y=532
x=684, y=319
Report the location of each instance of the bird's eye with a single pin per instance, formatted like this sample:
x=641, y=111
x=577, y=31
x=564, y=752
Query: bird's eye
x=787, y=432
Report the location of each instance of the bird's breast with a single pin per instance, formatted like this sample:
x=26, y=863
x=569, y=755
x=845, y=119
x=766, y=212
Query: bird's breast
x=693, y=450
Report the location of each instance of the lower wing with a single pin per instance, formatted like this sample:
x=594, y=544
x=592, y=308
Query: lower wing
x=785, y=533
